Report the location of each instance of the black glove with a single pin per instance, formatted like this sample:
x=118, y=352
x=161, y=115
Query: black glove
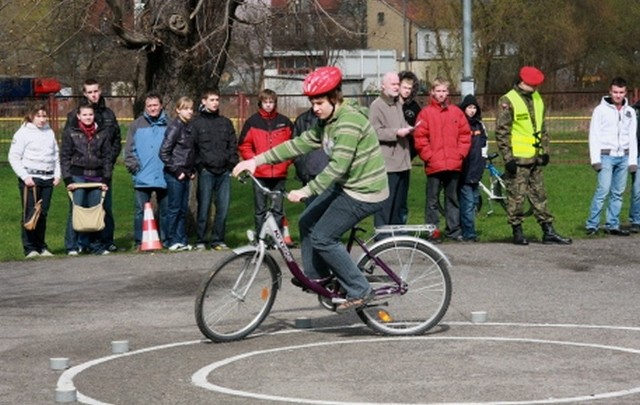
x=511, y=166
x=544, y=159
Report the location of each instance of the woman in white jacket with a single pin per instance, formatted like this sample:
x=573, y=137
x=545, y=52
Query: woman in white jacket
x=35, y=160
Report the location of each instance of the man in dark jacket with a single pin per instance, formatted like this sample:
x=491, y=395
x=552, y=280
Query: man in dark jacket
x=105, y=118
x=216, y=154
x=309, y=165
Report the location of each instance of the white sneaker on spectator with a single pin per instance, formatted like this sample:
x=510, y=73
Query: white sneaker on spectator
x=32, y=255
x=182, y=247
x=46, y=253
x=72, y=253
x=200, y=246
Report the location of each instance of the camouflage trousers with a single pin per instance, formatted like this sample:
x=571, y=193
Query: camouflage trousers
x=527, y=182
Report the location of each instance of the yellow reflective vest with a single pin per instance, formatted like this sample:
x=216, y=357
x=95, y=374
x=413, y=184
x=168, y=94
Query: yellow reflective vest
x=522, y=131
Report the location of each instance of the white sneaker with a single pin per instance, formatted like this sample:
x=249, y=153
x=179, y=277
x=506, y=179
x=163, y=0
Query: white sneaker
x=200, y=246
x=104, y=253
x=220, y=246
x=176, y=247
x=186, y=247
x=46, y=253
x=72, y=253
x=32, y=255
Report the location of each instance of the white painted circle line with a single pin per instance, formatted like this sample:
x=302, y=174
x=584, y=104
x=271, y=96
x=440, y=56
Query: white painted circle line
x=66, y=378
x=199, y=378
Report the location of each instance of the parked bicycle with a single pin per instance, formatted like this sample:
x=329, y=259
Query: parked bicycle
x=494, y=190
x=409, y=277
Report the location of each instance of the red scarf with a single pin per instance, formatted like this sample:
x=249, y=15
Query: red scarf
x=89, y=131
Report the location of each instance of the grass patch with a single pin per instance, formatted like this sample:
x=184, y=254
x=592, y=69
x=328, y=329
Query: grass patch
x=570, y=188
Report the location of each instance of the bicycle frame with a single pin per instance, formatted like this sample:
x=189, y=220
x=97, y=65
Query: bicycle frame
x=270, y=228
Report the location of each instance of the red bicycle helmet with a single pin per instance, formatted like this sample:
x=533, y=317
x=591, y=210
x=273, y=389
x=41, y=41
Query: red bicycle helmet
x=321, y=81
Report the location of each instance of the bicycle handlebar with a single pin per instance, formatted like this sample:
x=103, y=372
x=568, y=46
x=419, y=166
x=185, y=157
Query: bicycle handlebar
x=264, y=190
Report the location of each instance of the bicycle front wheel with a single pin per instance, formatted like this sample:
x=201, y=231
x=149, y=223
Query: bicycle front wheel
x=236, y=297
x=425, y=271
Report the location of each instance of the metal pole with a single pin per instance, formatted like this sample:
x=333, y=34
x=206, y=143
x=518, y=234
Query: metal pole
x=406, y=36
x=467, y=85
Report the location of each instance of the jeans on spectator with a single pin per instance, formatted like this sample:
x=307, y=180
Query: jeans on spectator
x=322, y=225
x=216, y=187
x=91, y=241
x=392, y=212
x=634, y=209
x=177, y=209
x=109, y=223
x=261, y=202
x=612, y=180
x=143, y=196
x=449, y=181
x=467, y=194
x=34, y=240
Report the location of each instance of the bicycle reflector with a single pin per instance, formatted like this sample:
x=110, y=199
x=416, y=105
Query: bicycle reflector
x=435, y=234
x=384, y=316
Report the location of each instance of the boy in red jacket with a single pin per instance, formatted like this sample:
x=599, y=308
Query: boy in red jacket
x=442, y=138
x=261, y=132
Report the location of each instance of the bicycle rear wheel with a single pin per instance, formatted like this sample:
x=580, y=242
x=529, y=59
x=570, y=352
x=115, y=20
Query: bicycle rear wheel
x=425, y=271
x=236, y=297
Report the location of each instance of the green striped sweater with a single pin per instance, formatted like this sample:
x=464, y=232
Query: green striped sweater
x=355, y=160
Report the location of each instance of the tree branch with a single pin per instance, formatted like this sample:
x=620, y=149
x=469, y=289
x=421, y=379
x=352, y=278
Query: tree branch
x=132, y=40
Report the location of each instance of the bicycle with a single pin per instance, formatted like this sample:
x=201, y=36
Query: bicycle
x=409, y=277
x=494, y=190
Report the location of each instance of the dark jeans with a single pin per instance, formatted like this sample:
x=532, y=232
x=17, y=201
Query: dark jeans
x=392, y=212
x=109, y=223
x=215, y=187
x=85, y=197
x=468, y=197
x=143, y=196
x=261, y=201
x=34, y=240
x=177, y=209
x=449, y=181
x=322, y=225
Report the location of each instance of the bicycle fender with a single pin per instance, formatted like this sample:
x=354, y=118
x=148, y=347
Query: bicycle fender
x=267, y=258
x=412, y=239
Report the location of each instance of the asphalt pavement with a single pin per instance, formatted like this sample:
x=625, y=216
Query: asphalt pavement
x=562, y=327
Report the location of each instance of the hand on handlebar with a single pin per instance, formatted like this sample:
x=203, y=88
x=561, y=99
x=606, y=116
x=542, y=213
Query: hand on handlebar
x=246, y=165
x=296, y=196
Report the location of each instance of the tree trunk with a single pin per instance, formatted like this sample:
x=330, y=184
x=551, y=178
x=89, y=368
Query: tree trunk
x=185, y=43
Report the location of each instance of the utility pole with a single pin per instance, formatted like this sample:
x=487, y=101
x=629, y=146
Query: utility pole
x=406, y=36
x=467, y=85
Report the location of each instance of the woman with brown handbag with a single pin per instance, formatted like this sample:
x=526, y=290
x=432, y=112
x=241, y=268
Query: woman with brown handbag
x=35, y=160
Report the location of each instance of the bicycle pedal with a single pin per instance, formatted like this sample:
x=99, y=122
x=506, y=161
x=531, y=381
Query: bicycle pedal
x=336, y=300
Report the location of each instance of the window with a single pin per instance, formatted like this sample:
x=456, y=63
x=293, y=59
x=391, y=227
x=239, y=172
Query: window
x=380, y=18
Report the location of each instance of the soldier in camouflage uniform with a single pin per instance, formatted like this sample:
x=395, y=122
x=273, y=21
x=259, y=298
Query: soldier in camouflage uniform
x=523, y=142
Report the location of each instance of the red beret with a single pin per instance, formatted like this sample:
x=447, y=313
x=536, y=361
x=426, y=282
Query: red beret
x=531, y=76
x=322, y=81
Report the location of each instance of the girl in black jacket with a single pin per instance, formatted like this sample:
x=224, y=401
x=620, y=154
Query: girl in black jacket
x=178, y=155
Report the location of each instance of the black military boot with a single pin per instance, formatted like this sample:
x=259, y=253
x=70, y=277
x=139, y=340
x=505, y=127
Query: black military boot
x=518, y=236
x=550, y=236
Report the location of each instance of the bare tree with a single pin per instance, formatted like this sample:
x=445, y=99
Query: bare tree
x=185, y=43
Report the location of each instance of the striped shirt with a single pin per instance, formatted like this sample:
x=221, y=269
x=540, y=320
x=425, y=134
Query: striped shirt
x=355, y=164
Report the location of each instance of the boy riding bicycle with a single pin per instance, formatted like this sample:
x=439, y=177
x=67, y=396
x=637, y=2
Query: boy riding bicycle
x=350, y=188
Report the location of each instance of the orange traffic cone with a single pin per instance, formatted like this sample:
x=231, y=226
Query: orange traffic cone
x=285, y=232
x=150, y=237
